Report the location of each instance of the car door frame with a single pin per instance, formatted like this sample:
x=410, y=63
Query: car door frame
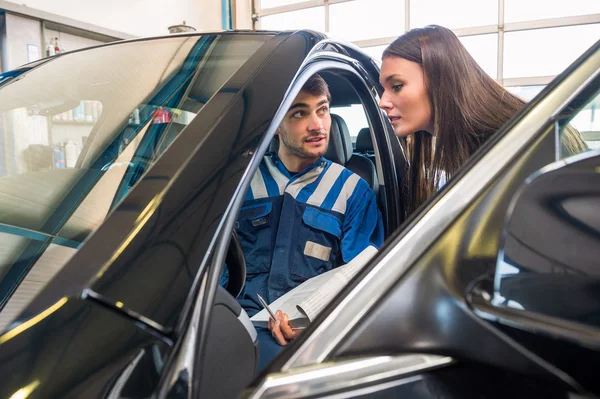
x=191, y=347
x=313, y=354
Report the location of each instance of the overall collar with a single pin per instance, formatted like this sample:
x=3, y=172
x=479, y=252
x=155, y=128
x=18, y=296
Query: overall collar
x=281, y=167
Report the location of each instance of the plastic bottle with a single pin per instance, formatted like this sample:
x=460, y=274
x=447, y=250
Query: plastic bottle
x=56, y=47
x=59, y=157
x=89, y=116
x=94, y=106
x=70, y=154
x=50, y=49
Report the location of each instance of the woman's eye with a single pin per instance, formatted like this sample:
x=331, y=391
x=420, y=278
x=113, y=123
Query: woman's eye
x=397, y=87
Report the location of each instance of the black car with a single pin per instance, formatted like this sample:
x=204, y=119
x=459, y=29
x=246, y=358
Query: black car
x=125, y=166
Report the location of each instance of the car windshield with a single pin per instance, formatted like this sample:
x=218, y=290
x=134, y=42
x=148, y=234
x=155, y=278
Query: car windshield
x=80, y=130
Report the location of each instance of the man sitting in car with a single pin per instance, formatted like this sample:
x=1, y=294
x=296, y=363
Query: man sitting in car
x=303, y=214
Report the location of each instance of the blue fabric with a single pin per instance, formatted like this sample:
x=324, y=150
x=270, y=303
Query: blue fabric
x=280, y=215
x=268, y=348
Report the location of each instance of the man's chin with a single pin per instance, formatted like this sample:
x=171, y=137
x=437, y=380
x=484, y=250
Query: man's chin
x=316, y=154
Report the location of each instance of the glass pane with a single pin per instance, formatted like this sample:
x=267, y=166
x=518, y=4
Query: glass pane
x=548, y=263
x=586, y=123
x=310, y=18
x=375, y=52
x=453, y=14
x=354, y=116
x=366, y=19
x=484, y=48
x=546, y=52
x=526, y=93
x=277, y=3
x=519, y=10
x=80, y=130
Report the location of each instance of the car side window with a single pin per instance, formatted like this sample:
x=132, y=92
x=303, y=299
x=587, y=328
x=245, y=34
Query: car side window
x=355, y=118
x=80, y=131
x=549, y=257
x=581, y=131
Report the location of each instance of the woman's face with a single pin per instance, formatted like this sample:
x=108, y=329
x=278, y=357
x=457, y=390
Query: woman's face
x=405, y=99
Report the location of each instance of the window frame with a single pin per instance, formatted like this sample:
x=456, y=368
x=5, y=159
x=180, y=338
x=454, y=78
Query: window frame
x=500, y=28
x=423, y=228
x=529, y=321
x=318, y=61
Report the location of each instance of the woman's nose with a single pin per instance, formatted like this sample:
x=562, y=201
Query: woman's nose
x=384, y=103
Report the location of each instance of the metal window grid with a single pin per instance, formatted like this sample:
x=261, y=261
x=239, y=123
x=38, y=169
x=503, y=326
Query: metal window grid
x=500, y=28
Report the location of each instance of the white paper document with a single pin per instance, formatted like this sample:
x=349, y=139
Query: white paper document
x=305, y=302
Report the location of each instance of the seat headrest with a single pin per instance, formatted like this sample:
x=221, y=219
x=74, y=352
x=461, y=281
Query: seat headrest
x=274, y=145
x=364, y=141
x=340, y=144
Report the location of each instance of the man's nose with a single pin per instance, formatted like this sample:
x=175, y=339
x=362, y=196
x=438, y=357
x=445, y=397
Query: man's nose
x=315, y=124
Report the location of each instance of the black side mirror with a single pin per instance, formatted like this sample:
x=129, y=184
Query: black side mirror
x=549, y=262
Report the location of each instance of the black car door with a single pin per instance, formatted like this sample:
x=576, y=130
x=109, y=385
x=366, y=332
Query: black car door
x=210, y=346
x=146, y=265
x=420, y=321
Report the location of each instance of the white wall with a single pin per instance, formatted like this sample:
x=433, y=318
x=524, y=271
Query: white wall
x=23, y=33
x=20, y=33
x=243, y=14
x=136, y=17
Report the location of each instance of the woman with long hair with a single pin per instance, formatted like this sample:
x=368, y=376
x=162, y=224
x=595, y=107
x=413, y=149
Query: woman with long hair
x=439, y=99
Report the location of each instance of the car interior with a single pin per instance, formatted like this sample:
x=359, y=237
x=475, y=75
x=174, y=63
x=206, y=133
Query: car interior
x=360, y=157
x=238, y=361
x=354, y=148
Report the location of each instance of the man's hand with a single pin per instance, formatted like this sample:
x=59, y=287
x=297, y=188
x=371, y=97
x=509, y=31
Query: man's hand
x=281, y=329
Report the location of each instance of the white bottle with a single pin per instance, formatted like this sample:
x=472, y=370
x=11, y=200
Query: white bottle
x=50, y=49
x=70, y=154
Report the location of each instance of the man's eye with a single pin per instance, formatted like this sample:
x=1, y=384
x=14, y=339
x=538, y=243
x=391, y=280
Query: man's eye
x=298, y=114
x=324, y=110
x=397, y=87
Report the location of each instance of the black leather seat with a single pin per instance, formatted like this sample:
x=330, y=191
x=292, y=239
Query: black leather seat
x=364, y=144
x=340, y=151
x=230, y=365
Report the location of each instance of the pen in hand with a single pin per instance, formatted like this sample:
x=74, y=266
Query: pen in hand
x=264, y=304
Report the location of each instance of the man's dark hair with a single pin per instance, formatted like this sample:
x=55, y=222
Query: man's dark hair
x=317, y=86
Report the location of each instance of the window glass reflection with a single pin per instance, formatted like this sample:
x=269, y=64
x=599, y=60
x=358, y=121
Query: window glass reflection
x=519, y=10
x=366, y=19
x=375, y=51
x=548, y=262
x=546, y=52
x=484, y=49
x=526, y=93
x=81, y=130
x=453, y=14
x=586, y=126
x=276, y=3
x=310, y=18
x=354, y=116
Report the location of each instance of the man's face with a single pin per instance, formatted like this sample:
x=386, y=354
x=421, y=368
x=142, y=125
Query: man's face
x=304, y=132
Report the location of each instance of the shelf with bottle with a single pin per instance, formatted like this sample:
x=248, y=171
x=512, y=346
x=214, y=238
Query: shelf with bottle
x=71, y=122
x=87, y=113
x=53, y=47
x=66, y=153
x=158, y=115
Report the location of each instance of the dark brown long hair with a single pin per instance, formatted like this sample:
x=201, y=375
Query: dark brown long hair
x=467, y=107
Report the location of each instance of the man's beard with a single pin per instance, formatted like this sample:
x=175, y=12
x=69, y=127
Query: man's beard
x=299, y=151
